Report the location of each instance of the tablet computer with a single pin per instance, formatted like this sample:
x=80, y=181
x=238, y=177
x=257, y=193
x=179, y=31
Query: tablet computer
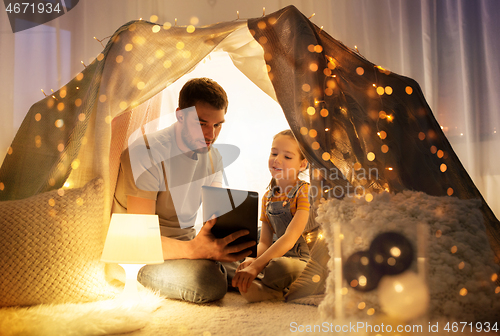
x=235, y=210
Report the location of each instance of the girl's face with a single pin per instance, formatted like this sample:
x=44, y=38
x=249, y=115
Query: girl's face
x=285, y=161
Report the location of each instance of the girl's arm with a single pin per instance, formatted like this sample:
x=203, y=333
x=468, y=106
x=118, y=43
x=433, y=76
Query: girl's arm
x=266, y=239
x=244, y=277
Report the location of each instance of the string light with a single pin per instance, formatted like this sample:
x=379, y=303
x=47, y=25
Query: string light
x=263, y=11
x=312, y=16
x=100, y=41
x=83, y=64
x=237, y=15
x=44, y=93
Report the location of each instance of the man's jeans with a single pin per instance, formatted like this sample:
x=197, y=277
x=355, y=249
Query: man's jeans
x=196, y=281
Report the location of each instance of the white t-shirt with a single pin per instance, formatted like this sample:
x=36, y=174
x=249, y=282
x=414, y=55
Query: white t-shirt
x=177, y=200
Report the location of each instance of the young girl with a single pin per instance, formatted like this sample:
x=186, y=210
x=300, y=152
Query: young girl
x=285, y=211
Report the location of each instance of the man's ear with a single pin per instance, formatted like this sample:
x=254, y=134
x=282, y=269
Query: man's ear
x=179, y=115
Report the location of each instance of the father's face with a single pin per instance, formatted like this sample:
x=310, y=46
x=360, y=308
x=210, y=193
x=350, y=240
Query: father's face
x=200, y=130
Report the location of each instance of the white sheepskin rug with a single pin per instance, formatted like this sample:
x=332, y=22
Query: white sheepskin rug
x=458, y=252
x=113, y=316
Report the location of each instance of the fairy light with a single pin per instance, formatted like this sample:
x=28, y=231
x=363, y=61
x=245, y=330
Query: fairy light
x=263, y=11
x=237, y=15
x=83, y=64
x=100, y=41
x=44, y=93
x=312, y=16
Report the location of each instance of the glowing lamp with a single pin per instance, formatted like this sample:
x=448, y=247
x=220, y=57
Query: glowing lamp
x=132, y=242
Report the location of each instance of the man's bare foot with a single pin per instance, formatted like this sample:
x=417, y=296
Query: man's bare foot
x=258, y=292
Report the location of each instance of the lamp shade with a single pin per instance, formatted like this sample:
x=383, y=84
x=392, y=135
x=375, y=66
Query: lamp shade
x=133, y=239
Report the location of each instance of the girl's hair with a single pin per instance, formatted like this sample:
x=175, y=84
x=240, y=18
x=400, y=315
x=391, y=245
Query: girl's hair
x=289, y=133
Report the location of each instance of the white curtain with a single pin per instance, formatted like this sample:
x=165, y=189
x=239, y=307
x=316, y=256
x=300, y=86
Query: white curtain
x=449, y=46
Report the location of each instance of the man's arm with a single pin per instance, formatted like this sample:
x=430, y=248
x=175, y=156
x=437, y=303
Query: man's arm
x=203, y=246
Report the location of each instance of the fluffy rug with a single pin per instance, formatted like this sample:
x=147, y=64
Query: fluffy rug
x=112, y=316
x=155, y=316
x=461, y=271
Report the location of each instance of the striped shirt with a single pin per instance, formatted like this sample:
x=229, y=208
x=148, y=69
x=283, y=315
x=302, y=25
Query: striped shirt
x=299, y=202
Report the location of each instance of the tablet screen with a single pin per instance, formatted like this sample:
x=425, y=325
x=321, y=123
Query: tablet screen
x=235, y=210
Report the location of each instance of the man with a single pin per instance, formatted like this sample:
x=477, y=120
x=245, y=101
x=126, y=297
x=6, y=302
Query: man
x=162, y=174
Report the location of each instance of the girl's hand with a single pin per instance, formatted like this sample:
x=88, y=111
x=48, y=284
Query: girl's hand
x=244, y=277
x=245, y=263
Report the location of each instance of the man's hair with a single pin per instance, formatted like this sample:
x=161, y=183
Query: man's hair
x=203, y=90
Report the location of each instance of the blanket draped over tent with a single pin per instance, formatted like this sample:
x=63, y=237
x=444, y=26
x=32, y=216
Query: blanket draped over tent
x=362, y=127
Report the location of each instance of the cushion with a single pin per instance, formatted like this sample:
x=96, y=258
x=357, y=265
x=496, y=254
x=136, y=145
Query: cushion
x=461, y=271
x=50, y=246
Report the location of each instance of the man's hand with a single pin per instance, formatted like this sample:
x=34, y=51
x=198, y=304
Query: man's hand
x=206, y=246
x=244, y=276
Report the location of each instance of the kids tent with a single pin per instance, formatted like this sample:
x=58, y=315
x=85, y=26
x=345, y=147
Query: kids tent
x=363, y=128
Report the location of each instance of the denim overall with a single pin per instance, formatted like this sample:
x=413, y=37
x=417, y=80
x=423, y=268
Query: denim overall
x=280, y=216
